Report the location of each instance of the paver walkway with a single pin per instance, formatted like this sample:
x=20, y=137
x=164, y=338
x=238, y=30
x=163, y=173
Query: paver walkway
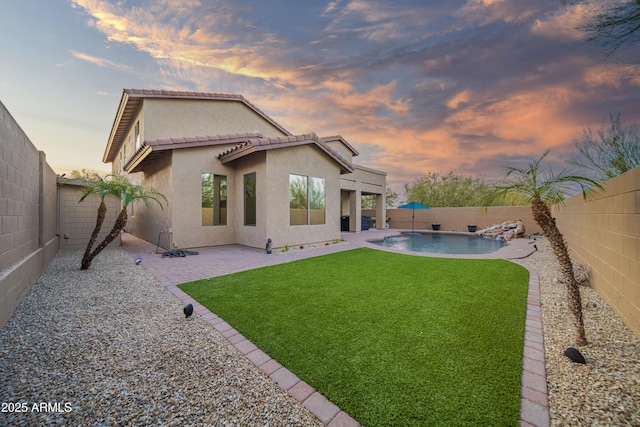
x=220, y=260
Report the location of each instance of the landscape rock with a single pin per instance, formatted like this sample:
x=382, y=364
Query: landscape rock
x=508, y=230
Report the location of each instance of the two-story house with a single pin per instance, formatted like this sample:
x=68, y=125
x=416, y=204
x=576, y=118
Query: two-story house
x=233, y=175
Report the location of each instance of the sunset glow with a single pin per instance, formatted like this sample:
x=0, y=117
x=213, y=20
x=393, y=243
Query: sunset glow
x=414, y=86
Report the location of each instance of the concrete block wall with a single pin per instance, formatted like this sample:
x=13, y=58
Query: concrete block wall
x=457, y=219
x=77, y=220
x=604, y=233
x=28, y=239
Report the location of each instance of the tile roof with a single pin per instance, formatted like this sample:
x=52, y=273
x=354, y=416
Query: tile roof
x=246, y=143
x=341, y=139
x=253, y=145
x=132, y=99
x=150, y=150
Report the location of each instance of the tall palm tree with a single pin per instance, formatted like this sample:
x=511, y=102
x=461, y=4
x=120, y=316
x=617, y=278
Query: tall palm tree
x=543, y=191
x=120, y=187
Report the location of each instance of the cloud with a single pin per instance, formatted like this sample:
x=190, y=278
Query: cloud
x=561, y=23
x=201, y=36
x=101, y=62
x=420, y=86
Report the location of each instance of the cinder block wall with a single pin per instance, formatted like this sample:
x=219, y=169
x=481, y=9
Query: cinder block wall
x=604, y=233
x=77, y=220
x=28, y=213
x=457, y=219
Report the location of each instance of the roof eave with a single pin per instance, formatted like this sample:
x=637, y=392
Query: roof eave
x=108, y=155
x=133, y=164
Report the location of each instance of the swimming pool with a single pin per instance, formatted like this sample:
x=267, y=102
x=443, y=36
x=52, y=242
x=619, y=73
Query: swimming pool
x=442, y=243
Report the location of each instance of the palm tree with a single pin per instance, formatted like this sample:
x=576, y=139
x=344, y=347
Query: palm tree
x=543, y=191
x=120, y=187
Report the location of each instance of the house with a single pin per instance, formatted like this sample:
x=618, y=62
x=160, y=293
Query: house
x=232, y=174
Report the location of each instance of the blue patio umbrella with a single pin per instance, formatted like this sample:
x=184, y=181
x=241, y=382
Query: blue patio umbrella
x=413, y=206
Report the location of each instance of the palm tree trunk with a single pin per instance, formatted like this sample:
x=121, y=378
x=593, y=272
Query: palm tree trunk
x=542, y=215
x=121, y=221
x=102, y=213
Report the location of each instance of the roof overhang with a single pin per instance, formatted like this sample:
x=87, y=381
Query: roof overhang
x=254, y=145
x=354, y=152
x=151, y=150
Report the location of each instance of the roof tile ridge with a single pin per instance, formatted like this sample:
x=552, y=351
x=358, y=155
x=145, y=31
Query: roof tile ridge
x=178, y=93
x=201, y=138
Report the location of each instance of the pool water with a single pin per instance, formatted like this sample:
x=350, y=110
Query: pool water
x=442, y=243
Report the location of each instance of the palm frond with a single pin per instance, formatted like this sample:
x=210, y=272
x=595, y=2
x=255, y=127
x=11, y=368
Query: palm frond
x=120, y=187
x=531, y=182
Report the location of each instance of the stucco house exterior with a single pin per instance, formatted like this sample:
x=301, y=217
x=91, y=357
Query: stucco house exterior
x=233, y=175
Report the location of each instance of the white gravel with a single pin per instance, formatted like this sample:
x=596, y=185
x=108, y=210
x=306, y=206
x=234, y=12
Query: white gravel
x=606, y=390
x=110, y=346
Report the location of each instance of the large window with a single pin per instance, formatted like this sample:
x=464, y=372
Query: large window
x=307, y=200
x=214, y=199
x=250, y=199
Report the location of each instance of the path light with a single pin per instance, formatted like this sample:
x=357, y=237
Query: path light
x=269, y=245
x=188, y=310
x=575, y=355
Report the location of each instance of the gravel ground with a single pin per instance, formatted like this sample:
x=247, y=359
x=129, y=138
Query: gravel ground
x=110, y=346
x=606, y=390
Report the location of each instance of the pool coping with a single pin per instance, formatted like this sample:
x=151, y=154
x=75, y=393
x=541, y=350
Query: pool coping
x=515, y=249
x=534, y=403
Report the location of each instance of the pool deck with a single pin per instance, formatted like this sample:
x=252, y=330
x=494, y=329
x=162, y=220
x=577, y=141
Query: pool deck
x=221, y=260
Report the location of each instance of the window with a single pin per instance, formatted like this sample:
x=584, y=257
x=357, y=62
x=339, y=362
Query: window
x=214, y=199
x=317, y=201
x=307, y=200
x=250, y=199
x=298, y=200
x=137, y=134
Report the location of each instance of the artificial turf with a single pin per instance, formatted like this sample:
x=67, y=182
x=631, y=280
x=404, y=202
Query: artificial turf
x=391, y=339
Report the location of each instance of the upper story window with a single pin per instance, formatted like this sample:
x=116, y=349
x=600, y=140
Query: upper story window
x=137, y=134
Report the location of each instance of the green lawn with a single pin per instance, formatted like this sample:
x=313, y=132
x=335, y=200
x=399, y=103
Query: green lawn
x=391, y=339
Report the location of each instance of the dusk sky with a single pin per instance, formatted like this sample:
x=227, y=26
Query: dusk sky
x=417, y=86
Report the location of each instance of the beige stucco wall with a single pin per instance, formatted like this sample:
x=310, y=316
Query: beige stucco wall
x=604, y=233
x=186, y=198
x=77, y=220
x=306, y=160
x=272, y=170
x=166, y=118
x=251, y=235
x=28, y=214
x=147, y=222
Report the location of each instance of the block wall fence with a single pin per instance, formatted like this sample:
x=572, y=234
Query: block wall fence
x=28, y=214
x=37, y=217
x=76, y=221
x=604, y=233
x=457, y=219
